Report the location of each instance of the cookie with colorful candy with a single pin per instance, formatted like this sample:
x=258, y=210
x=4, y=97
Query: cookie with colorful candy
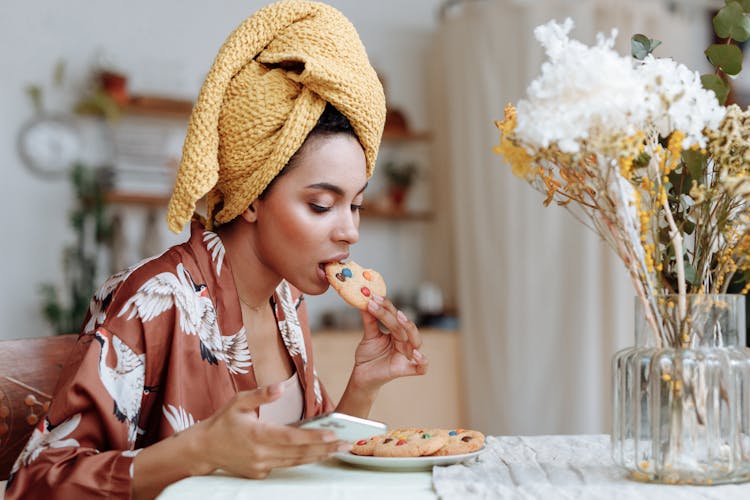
x=415, y=442
x=461, y=441
x=355, y=284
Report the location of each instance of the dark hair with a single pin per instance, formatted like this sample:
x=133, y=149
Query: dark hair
x=332, y=121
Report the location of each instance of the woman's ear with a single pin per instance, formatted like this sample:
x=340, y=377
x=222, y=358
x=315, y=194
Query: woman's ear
x=249, y=214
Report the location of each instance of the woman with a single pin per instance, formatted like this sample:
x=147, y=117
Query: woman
x=193, y=361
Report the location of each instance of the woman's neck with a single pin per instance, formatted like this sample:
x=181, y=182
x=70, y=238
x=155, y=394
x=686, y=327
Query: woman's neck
x=254, y=281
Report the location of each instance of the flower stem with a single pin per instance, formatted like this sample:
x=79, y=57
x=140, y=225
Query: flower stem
x=674, y=235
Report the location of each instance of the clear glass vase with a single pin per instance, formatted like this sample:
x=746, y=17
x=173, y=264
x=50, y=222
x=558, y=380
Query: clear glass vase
x=682, y=407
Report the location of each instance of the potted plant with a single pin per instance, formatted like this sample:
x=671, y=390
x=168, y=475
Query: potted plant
x=400, y=177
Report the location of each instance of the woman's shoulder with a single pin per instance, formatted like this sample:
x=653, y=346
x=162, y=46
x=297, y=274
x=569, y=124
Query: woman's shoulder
x=139, y=273
x=143, y=290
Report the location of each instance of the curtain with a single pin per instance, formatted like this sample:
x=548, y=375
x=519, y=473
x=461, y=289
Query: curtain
x=543, y=302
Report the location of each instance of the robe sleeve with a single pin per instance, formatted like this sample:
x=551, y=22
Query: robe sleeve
x=83, y=448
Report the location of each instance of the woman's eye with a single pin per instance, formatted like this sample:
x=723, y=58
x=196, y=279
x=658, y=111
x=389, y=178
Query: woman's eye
x=357, y=208
x=319, y=209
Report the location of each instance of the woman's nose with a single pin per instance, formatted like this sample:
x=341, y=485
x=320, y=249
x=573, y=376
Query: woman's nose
x=348, y=227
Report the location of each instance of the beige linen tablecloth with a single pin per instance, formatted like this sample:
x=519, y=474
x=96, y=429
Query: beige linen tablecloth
x=559, y=467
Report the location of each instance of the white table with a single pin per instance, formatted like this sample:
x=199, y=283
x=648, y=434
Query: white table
x=329, y=480
x=512, y=467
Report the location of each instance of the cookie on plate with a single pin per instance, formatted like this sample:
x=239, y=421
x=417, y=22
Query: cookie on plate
x=355, y=284
x=366, y=447
x=410, y=443
x=461, y=441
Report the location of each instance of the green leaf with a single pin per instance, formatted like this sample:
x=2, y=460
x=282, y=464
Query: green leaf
x=642, y=160
x=728, y=57
x=695, y=163
x=681, y=184
x=731, y=22
x=745, y=4
x=718, y=85
x=691, y=276
x=641, y=45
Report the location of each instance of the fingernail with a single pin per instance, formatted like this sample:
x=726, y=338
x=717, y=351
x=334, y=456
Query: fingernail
x=402, y=317
x=378, y=298
x=330, y=437
x=372, y=306
x=344, y=447
x=417, y=355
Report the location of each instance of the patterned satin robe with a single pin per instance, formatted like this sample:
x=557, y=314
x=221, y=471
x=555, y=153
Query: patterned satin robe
x=163, y=347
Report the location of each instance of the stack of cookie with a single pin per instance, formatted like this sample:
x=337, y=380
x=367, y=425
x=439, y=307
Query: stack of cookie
x=413, y=442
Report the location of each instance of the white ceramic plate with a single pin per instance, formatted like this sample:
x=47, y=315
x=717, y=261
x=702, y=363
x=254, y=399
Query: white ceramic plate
x=409, y=464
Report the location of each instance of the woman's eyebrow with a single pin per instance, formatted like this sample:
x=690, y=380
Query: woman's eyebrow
x=327, y=186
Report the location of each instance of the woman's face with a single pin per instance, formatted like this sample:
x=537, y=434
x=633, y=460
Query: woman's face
x=310, y=215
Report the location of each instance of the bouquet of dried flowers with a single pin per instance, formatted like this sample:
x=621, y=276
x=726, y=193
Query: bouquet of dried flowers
x=641, y=151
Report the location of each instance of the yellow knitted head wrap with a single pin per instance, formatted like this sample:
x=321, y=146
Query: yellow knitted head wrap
x=263, y=94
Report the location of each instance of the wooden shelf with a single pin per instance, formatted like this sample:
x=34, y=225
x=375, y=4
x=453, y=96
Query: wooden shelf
x=405, y=135
x=403, y=215
x=125, y=198
x=158, y=107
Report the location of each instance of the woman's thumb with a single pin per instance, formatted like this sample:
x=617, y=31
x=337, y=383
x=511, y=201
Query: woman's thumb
x=250, y=400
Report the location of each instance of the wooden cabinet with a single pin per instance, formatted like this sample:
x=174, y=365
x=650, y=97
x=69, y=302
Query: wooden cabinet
x=431, y=400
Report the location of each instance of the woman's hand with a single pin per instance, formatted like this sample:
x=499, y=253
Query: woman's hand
x=381, y=357
x=234, y=440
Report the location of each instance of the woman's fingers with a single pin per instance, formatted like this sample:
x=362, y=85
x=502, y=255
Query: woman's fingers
x=399, y=326
x=250, y=400
x=270, y=446
x=411, y=330
x=287, y=435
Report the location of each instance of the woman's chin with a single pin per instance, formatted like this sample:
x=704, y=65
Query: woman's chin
x=316, y=288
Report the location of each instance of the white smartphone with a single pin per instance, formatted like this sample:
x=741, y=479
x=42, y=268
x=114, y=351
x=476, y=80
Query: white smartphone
x=346, y=427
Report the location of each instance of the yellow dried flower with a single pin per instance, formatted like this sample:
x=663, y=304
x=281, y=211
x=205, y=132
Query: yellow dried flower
x=518, y=158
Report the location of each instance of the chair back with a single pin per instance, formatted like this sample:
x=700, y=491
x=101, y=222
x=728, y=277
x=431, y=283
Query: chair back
x=29, y=369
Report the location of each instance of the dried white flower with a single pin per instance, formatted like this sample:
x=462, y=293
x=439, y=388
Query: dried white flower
x=593, y=91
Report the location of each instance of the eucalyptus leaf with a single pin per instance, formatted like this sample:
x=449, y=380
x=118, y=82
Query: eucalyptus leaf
x=686, y=201
x=641, y=46
x=718, y=85
x=728, y=57
x=731, y=22
x=691, y=276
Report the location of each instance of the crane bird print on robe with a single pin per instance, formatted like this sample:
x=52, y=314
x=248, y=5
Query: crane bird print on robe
x=102, y=297
x=45, y=437
x=197, y=316
x=124, y=382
